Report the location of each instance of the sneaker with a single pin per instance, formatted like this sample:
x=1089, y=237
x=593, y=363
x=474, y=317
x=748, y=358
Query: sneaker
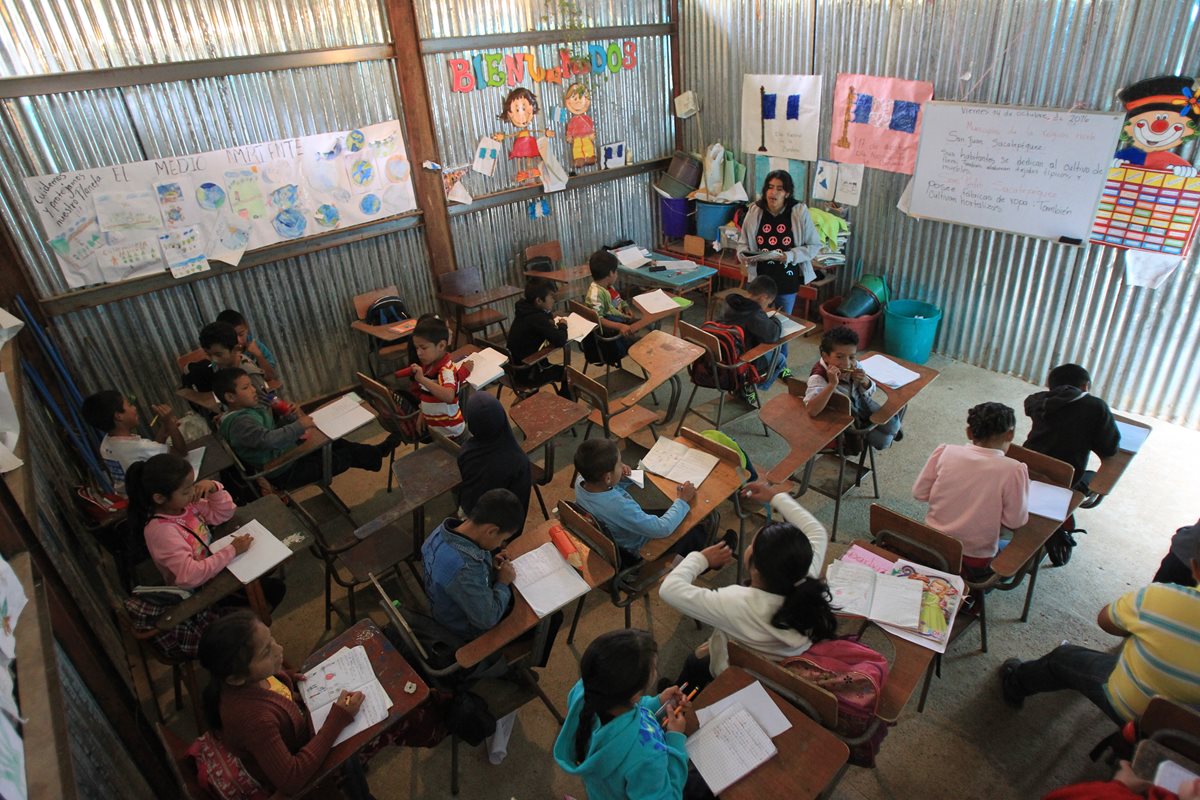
x=786, y=373
x=731, y=540
x=1011, y=695
x=749, y=395
x=899, y=437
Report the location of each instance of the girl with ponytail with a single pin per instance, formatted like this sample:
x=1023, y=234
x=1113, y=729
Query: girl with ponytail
x=612, y=737
x=786, y=606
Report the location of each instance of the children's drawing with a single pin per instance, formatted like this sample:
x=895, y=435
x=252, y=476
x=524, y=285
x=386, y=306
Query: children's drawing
x=519, y=109
x=121, y=259
x=12, y=762
x=355, y=140
x=581, y=130
x=1160, y=114
x=170, y=202
x=361, y=172
x=324, y=176
x=485, y=156
x=382, y=148
x=396, y=169
x=289, y=224
x=128, y=211
x=849, y=184
x=877, y=121
x=452, y=182
x=79, y=243
x=210, y=196
x=539, y=208
x=231, y=237
x=614, y=155
x=12, y=602
x=328, y=216
x=286, y=196
x=825, y=180
x=332, y=153
x=245, y=194
x=398, y=198
x=781, y=115
x=184, y=252
x=370, y=204
x=278, y=171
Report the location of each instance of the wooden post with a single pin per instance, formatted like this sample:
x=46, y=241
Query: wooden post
x=422, y=139
x=676, y=70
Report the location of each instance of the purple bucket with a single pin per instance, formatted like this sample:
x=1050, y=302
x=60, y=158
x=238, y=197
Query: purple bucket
x=676, y=216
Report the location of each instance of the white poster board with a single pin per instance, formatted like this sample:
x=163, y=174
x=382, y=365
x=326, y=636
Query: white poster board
x=111, y=223
x=781, y=115
x=1033, y=171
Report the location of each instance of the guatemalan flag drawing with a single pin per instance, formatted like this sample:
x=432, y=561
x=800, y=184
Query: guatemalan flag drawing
x=877, y=121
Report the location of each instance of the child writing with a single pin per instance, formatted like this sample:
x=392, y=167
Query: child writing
x=252, y=701
x=785, y=608
x=603, y=298
x=533, y=329
x=257, y=439
x=255, y=348
x=122, y=445
x=749, y=312
x=838, y=372
x=1069, y=423
x=436, y=378
x=974, y=489
x=612, y=737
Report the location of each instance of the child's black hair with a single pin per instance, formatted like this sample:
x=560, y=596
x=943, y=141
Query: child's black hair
x=614, y=667
x=595, y=458
x=226, y=651
x=782, y=555
x=221, y=333
x=1068, y=375
x=100, y=408
x=838, y=336
x=160, y=474
x=538, y=288
x=231, y=316
x=501, y=508
x=431, y=328
x=602, y=264
x=990, y=419
x=224, y=382
x=763, y=285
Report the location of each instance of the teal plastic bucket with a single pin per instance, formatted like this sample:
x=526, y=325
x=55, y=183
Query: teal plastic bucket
x=676, y=215
x=909, y=329
x=710, y=217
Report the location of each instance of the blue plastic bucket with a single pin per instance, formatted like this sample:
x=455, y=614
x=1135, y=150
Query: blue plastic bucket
x=710, y=217
x=676, y=216
x=909, y=329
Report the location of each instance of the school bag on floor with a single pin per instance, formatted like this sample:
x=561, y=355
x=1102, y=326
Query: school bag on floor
x=732, y=342
x=854, y=674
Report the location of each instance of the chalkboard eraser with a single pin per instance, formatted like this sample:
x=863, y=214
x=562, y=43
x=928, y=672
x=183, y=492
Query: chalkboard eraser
x=1069, y=240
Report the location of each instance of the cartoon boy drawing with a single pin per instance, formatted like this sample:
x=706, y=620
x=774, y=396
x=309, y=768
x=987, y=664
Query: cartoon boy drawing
x=581, y=130
x=1160, y=114
x=520, y=107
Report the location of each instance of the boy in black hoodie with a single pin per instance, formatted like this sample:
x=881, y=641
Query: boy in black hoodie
x=749, y=312
x=533, y=328
x=1069, y=423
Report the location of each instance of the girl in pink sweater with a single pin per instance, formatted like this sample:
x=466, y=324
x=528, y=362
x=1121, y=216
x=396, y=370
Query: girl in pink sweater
x=974, y=489
x=175, y=511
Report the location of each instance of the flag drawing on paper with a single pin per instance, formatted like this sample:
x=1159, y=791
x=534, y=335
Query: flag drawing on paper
x=781, y=115
x=767, y=164
x=825, y=180
x=485, y=156
x=877, y=121
x=614, y=155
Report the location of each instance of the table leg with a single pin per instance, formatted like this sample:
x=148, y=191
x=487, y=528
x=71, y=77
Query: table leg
x=1033, y=573
x=327, y=482
x=258, y=602
x=676, y=390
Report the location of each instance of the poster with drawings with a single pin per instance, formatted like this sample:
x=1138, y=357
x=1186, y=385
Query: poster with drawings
x=781, y=115
x=104, y=225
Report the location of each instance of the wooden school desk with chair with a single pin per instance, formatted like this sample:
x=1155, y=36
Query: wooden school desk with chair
x=463, y=290
x=386, y=342
x=676, y=281
x=899, y=398
x=603, y=339
x=662, y=357
x=541, y=418
x=1112, y=468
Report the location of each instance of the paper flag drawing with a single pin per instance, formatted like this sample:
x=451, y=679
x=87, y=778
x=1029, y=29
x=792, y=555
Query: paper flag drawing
x=824, y=180
x=485, y=156
x=849, y=184
x=613, y=155
x=781, y=115
x=877, y=121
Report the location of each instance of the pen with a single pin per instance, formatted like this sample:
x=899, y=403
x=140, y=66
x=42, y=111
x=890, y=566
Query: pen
x=666, y=712
x=154, y=420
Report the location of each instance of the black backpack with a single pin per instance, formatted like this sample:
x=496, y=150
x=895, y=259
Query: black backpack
x=387, y=310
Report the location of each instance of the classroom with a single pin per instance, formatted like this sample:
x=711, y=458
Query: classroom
x=563, y=399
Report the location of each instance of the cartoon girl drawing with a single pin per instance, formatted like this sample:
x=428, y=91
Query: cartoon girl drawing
x=520, y=107
x=581, y=129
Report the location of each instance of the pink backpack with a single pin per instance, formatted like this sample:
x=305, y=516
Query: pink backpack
x=854, y=674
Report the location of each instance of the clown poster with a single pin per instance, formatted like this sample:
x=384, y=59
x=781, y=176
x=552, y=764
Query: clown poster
x=877, y=121
x=781, y=115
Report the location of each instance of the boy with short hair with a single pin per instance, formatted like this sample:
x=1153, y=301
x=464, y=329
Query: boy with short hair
x=534, y=328
x=251, y=345
x=257, y=440
x=749, y=312
x=615, y=314
x=435, y=378
x=837, y=371
x=122, y=445
x=1069, y=423
x=219, y=341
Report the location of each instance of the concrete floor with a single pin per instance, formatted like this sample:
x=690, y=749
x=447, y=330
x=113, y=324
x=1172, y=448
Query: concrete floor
x=967, y=743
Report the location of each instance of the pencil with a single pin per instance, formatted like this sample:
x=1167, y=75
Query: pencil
x=666, y=712
x=154, y=420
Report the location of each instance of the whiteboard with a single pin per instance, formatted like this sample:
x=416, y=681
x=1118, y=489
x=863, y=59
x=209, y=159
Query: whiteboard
x=1033, y=171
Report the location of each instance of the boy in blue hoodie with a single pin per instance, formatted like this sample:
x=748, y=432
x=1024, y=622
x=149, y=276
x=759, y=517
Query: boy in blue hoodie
x=612, y=737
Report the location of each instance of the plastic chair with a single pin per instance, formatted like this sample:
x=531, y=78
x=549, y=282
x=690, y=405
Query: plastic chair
x=468, y=281
x=726, y=375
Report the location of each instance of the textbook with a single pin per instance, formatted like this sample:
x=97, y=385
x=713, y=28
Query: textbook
x=263, y=556
x=486, y=366
x=678, y=462
x=729, y=747
x=349, y=669
x=884, y=598
x=342, y=416
x=546, y=580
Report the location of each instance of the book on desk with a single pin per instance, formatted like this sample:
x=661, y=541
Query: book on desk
x=342, y=416
x=349, y=669
x=487, y=366
x=678, y=462
x=264, y=555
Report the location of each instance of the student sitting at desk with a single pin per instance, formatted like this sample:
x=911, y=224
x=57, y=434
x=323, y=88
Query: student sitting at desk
x=219, y=340
x=1069, y=423
x=122, y=445
x=603, y=298
x=251, y=345
x=784, y=609
x=838, y=371
x=257, y=439
x=491, y=458
x=974, y=490
x=533, y=329
x=435, y=378
x=602, y=491
x=749, y=312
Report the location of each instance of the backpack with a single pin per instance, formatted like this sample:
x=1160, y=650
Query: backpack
x=732, y=341
x=221, y=772
x=854, y=674
x=411, y=425
x=387, y=310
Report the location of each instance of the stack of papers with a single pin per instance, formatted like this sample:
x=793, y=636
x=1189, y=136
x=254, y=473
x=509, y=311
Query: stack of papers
x=263, y=556
x=348, y=669
x=656, y=302
x=677, y=266
x=577, y=327
x=546, y=580
x=728, y=747
x=486, y=366
x=754, y=699
x=863, y=592
x=632, y=256
x=343, y=415
x=882, y=369
x=1132, y=436
x=1046, y=500
x=678, y=462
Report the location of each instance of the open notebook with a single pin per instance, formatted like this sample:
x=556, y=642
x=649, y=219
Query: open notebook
x=349, y=669
x=678, y=462
x=577, y=327
x=729, y=747
x=862, y=591
x=486, y=366
x=546, y=580
x=787, y=325
x=342, y=416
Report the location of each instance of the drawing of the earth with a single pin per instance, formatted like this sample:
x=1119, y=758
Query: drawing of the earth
x=289, y=223
x=210, y=196
x=362, y=172
x=328, y=216
x=396, y=169
x=355, y=141
x=369, y=204
x=286, y=196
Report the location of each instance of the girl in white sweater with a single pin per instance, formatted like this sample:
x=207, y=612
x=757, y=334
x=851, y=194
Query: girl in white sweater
x=786, y=606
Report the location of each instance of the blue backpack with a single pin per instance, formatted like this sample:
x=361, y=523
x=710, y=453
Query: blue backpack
x=387, y=310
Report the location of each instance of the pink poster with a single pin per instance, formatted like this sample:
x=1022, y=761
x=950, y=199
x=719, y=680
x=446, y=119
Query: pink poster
x=876, y=121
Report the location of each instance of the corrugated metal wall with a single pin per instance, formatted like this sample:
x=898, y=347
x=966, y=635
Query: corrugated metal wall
x=444, y=18
x=1013, y=304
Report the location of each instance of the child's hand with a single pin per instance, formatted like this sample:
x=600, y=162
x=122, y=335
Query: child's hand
x=677, y=722
x=622, y=328
x=505, y=571
x=351, y=701
x=671, y=697
x=560, y=322
x=686, y=492
x=761, y=491
x=625, y=471
x=304, y=419
x=1126, y=776
x=464, y=369
x=164, y=412
x=499, y=137
x=833, y=374
x=203, y=489
x=241, y=544
x=718, y=555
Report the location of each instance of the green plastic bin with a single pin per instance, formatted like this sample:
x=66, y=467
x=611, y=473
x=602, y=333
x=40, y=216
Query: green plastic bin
x=909, y=329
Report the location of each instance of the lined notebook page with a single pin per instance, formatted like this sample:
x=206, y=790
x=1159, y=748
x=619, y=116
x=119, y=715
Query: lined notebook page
x=728, y=748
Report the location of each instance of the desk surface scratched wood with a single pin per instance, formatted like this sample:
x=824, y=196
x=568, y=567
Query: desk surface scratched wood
x=564, y=275
x=662, y=356
x=787, y=415
x=725, y=479
x=543, y=416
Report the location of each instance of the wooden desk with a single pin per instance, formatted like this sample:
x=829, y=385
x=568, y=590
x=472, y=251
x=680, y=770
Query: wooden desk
x=275, y=517
x=806, y=436
x=463, y=302
x=1113, y=467
x=384, y=333
x=216, y=457
x=663, y=357
x=565, y=275
x=522, y=618
x=810, y=758
x=758, y=351
x=899, y=398
x=393, y=673
x=543, y=416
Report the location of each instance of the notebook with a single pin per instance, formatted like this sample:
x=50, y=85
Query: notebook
x=632, y=256
x=941, y=595
x=753, y=698
x=486, y=366
x=656, y=302
x=678, y=462
x=787, y=325
x=263, y=556
x=1132, y=436
x=863, y=592
x=546, y=580
x=1052, y=502
x=349, y=669
x=728, y=748
x=342, y=416
x=577, y=327
x=882, y=369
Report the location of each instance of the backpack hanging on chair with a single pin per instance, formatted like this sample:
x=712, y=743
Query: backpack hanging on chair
x=387, y=310
x=732, y=343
